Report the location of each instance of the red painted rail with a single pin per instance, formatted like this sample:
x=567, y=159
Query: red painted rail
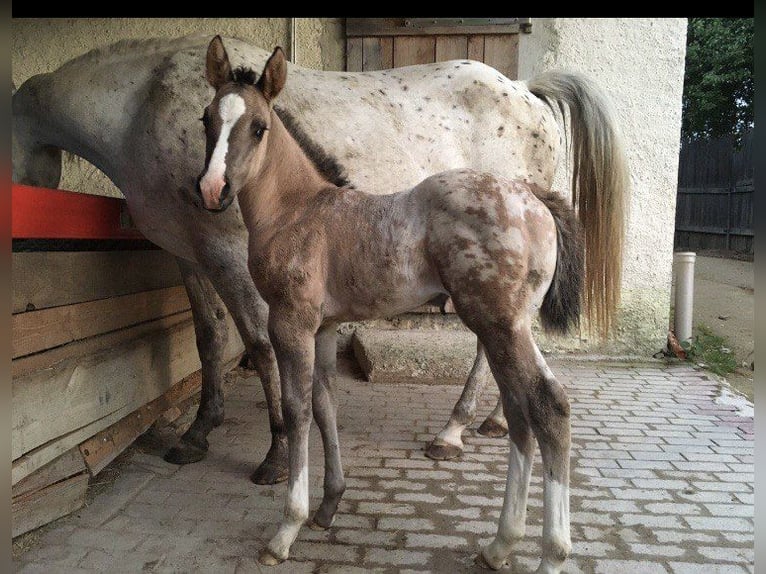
x=42, y=213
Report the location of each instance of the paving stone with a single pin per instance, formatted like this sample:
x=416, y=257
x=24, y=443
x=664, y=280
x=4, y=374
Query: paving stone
x=706, y=568
x=652, y=496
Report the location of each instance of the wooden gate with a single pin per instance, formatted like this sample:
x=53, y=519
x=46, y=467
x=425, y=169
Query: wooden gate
x=380, y=43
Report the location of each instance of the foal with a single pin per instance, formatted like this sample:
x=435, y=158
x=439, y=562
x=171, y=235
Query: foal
x=321, y=255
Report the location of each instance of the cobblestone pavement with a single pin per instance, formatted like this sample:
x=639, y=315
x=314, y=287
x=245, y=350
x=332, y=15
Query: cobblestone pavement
x=662, y=482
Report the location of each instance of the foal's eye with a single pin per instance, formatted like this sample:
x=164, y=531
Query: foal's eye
x=258, y=131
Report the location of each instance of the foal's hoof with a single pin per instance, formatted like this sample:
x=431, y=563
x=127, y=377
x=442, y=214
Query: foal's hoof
x=443, y=451
x=185, y=453
x=492, y=429
x=268, y=559
x=270, y=473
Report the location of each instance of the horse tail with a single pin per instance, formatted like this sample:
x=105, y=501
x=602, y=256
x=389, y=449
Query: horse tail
x=560, y=309
x=600, y=180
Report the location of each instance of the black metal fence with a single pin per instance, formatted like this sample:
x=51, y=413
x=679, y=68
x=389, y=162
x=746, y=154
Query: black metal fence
x=714, y=209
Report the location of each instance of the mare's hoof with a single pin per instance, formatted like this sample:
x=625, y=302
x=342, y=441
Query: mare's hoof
x=492, y=429
x=314, y=525
x=268, y=559
x=270, y=473
x=481, y=562
x=443, y=451
x=185, y=453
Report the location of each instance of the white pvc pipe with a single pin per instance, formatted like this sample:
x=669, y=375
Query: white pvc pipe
x=684, y=303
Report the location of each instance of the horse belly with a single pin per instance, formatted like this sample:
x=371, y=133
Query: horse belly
x=378, y=287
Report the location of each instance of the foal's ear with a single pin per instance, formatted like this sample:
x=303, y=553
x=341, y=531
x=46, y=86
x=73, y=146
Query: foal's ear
x=218, y=68
x=274, y=75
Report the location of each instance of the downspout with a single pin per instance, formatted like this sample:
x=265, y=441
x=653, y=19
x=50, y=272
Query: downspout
x=293, y=41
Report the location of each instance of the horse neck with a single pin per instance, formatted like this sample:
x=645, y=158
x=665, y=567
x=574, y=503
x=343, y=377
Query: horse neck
x=283, y=187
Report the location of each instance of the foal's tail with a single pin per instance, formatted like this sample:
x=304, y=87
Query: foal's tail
x=600, y=181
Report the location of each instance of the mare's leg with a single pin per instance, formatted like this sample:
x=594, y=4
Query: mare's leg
x=234, y=284
x=448, y=443
x=250, y=314
x=521, y=370
x=293, y=341
x=495, y=426
x=210, y=328
x=325, y=417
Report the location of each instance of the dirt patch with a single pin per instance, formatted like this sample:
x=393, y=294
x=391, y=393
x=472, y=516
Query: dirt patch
x=724, y=302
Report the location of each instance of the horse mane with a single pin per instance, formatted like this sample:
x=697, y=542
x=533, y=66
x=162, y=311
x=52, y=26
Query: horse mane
x=325, y=162
x=244, y=75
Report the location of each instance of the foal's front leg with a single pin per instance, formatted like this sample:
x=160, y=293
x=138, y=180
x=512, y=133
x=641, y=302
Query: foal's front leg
x=294, y=347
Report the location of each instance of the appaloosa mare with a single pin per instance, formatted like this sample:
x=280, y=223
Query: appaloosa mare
x=131, y=109
x=320, y=254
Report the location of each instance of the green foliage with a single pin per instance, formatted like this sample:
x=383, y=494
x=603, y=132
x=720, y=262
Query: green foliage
x=719, y=83
x=711, y=351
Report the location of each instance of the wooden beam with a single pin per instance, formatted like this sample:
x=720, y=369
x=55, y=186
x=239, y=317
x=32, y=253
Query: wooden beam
x=59, y=407
x=356, y=27
x=34, y=509
x=65, y=466
x=50, y=279
x=47, y=328
x=103, y=447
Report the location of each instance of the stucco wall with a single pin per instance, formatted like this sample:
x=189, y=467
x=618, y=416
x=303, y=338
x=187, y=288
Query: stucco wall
x=42, y=45
x=638, y=62
x=640, y=65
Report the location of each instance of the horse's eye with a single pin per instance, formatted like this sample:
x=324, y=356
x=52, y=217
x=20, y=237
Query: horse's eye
x=258, y=131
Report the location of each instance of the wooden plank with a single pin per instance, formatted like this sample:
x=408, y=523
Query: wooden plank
x=451, y=48
x=50, y=279
x=502, y=53
x=378, y=53
x=354, y=55
x=34, y=509
x=103, y=447
x=40, y=330
x=65, y=466
x=414, y=50
x=75, y=393
x=476, y=48
x=358, y=27
x=32, y=363
x=140, y=371
x=42, y=213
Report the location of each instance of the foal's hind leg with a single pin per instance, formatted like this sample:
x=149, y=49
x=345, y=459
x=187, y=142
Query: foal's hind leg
x=513, y=517
x=520, y=368
x=448, y=443
x=324, y=408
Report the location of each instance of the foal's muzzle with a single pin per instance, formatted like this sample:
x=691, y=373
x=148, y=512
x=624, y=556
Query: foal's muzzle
x=224, y=199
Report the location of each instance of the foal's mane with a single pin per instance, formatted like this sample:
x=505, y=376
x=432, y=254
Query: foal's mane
x=326, y=163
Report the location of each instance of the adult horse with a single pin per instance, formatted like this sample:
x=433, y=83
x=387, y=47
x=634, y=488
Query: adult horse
x=321, y=254
x=132, y=110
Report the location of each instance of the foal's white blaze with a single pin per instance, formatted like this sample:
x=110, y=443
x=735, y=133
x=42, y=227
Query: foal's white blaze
x=230, y=108
x=513, y=517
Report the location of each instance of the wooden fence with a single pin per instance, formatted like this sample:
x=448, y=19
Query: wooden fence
x=714, y=208
x=103, y=345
